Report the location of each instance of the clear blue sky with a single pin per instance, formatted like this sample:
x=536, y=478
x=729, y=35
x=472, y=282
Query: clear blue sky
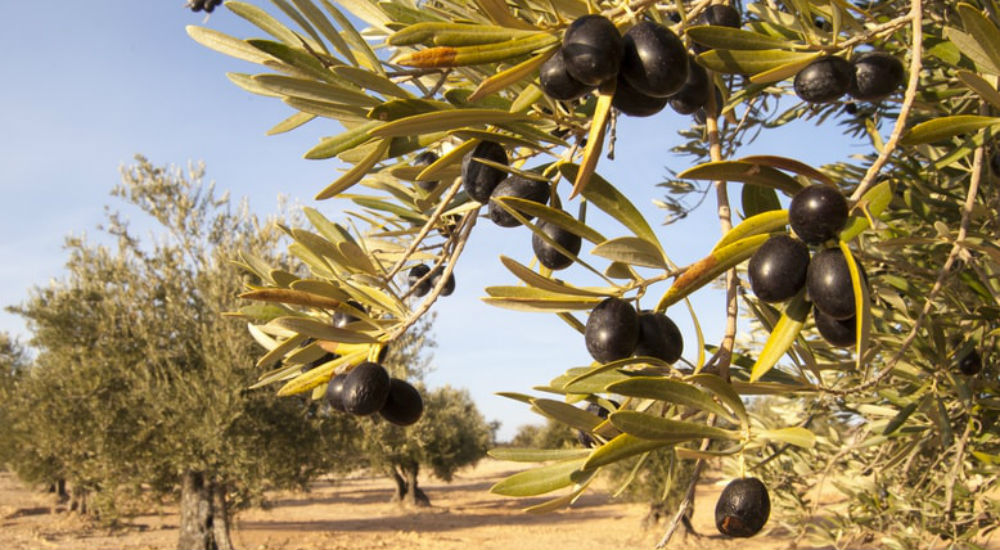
x=89, y=84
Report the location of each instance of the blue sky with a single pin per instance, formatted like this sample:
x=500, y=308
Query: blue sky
x=89, y=84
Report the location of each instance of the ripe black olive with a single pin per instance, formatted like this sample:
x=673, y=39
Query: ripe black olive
x=971, y=363
x=837, y=332
x=743, y=508
x=817, y=213
x=875, y=76
x=403, y=406
x=592, y=49
x=632, y=102
x=659, y=337
x=556, y=81
x=828, y=282
x=365, y=389
x=426, y=159
x=612, y=330
x=547, y=254
x=478, y=179
x=777, y=269
x=824, y=80
x=335, y=392
x=655, y=60
x=416, y=273
x=522, y=188
x=693, y=95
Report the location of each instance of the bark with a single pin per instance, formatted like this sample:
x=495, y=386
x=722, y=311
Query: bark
x=60, y=490
x=78, y=500
x=414, y=495
x=400, y=485
x=221, y=517
x=196, y=531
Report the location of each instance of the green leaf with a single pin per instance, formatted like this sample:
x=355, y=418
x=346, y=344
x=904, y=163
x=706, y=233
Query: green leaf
x=447, y=120
x=632, y=251
x=783, y=335
x=756, y=199
x=619, y=448
x=795, y=435
x=510, y=76
x=946, y=127
x=320, y=375
x=708, y=268
x=647, y=426
x=567, y=414
x=900, y=418
x=725, y=393
x=985, y=32
x=727, y=38
x=862, y=306
x=792, y=165
x=749, y=61
x=767, y=222
x=521, y=298
x=449, y=56
x=965, y=44
x=335, y=145
x=874, y=201
x=536, y=280
x=355, y=174
x=595, y=139
x=685, y=453
x=551, y=215
x=514, y=454
x=569, y=381
x=743, y=171
x=671, y=391
x=300, y=59
x=539, y=481
x=322, y=331
x=291, y=123
x=783, y=71
x=372, y=81
x=977, y=84
x=329, y=31
x=310, y=89
x=612, y=202
x=225, y=44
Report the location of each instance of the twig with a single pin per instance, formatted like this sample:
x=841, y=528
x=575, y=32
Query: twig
x=724, y=355
x=949, y=498
x=970, y=201
x=468, y=222
x=916, y=63
x=686, y=503
x=435, y=216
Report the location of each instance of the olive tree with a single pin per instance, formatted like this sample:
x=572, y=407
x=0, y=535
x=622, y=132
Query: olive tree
x=883, y=371
x=142, y=381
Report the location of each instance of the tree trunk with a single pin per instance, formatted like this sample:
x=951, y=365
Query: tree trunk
x=220, y=513
x=400, y=485
x=414, y=495
x=61, y=493
x=196, y=514
x=78, y=500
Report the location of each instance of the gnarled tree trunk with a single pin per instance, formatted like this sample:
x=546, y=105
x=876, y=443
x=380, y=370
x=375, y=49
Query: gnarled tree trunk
x=400, y=492
x=414, y=495
x=204, y=514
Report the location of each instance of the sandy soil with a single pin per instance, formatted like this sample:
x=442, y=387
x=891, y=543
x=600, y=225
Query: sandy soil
x=354, y=513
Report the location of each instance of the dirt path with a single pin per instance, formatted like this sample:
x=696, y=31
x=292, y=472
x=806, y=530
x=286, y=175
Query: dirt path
x=354, y=514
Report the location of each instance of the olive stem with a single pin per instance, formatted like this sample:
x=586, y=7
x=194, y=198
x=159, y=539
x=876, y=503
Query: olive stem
x=468, y=222
x=956, y=248
x=949, y=498
x=435, y=216
x=916, y=63
x=686, y=504
x=724, y=355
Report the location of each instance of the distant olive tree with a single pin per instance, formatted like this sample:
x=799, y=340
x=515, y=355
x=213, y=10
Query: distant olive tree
x=143, y=381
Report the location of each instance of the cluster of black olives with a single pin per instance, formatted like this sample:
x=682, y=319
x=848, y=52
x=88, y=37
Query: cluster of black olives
x=368, y=389
x=781, y=267
x=615, y=331
x=203, y=5
x=421, y=283
x=650, y=64
x=870, y=76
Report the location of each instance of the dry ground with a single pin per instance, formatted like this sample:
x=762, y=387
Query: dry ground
x=354, y=514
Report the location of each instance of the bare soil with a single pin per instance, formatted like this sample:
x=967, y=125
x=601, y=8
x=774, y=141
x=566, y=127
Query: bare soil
x=354, y=513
